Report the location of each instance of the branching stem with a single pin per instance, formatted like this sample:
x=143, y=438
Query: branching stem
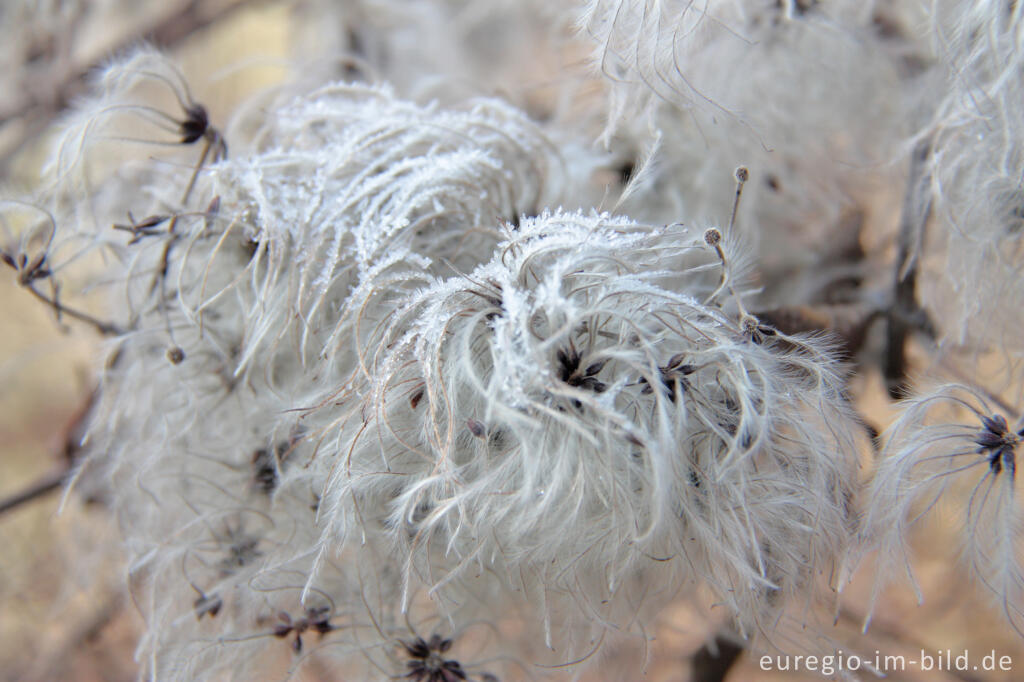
x=105, y=328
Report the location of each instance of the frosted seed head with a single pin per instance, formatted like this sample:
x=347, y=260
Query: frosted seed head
x=950, y=444
x=586, y=388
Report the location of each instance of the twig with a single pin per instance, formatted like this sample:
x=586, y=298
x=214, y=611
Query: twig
x=43, y=486
x=904, y=309
x=713, y=661
x=68, y=456
x=849, y=322
x=105, y=328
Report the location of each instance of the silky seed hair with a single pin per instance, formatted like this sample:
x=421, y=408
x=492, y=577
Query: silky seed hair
x=975, y=164
x=237, y=322
x=682, y=78
x=365, y=388
x=595, y=419
x=391, y=178
x=954, y=446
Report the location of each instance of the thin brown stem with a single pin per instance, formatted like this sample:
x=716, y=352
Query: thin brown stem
x=208, y=143
x=105, y=328
x=44, y=486
x=742, y=175
x=905, y=309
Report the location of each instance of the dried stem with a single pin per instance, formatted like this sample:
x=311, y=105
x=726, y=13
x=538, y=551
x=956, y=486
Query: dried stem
x=905, y=309
x=712, y=662
x=45, y=485
x=105, y=328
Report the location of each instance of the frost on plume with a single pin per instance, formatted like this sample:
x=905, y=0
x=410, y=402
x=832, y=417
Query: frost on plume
x=570, y=417
x=361, y=389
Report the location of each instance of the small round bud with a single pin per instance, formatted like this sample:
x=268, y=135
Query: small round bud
x=749, y=324
x=176, y=355
x=742, y=174
x=712, y=236
x=476, y=428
